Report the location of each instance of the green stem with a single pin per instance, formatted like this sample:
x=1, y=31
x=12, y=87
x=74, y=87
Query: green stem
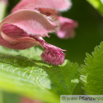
x=3, y=6
x=97, y=4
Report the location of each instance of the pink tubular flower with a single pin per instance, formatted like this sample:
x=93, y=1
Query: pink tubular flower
x=26, y=27
x=50, y=8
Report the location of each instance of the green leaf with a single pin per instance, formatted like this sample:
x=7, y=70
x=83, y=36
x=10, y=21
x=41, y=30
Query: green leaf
x=10, y=98
x=97, y=4
x=24, y=73
x=6, y=97
x=92, y=72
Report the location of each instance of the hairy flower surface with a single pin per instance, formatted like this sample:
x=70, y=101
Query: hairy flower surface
x=51, y=8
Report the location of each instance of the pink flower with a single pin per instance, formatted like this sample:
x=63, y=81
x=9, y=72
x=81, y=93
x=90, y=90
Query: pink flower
x=66, y=28
x=51, y=9
x=25, y=28
x=19, y=29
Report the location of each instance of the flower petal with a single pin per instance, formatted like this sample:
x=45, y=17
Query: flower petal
x=66, y=28
x=15, y=38
x=13, y=31
x=31, y=22
x=17, y=43
x=60, y=5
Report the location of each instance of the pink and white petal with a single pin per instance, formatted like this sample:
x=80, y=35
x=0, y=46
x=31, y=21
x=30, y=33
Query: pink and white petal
x=65, y=34
x=63, y=20
x=66, y=28
x=17, y=43
x=31, y=22
x=60, y=5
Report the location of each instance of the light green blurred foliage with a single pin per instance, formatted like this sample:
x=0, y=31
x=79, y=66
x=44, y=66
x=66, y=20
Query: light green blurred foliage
x=3, y=7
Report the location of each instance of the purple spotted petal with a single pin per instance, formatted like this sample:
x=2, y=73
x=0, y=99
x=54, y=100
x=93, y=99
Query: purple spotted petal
x=52, y=54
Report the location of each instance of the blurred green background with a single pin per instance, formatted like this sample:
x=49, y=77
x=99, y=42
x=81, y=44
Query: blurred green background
x=88, y=34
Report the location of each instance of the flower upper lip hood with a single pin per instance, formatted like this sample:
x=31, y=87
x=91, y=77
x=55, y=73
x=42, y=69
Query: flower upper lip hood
x=51, y=8
x=60, y=5
x=30, y=21
x=27, y=22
